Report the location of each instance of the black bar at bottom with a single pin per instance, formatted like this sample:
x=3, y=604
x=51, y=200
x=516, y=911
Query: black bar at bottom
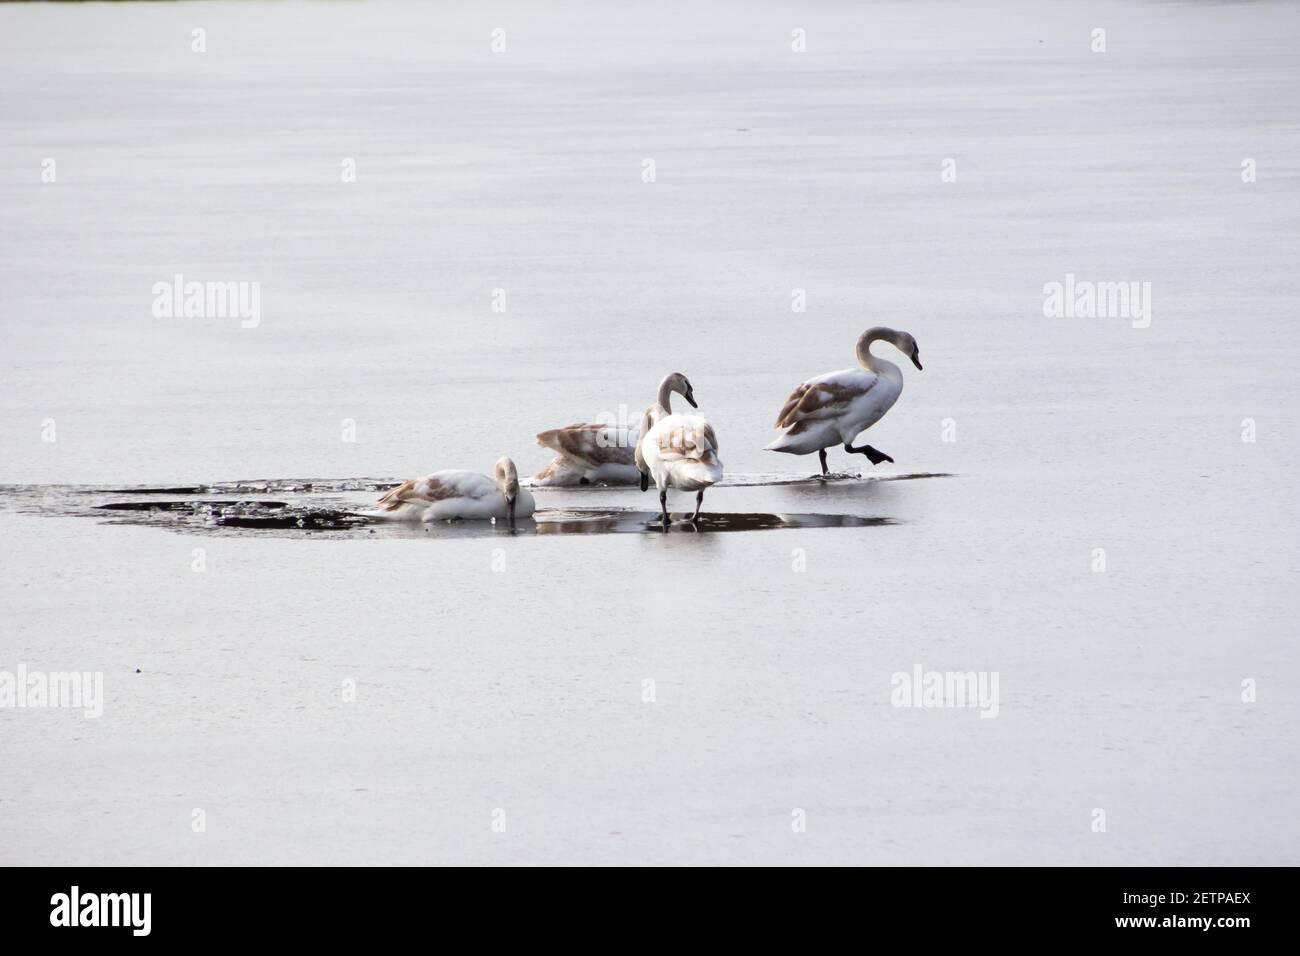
x=334, y=906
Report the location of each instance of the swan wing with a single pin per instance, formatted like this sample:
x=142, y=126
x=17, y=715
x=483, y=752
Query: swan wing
x=440, y=486
x=591, y=445
x=638, y=459
x=684, y=438
x=557, y=472
x=826, y=396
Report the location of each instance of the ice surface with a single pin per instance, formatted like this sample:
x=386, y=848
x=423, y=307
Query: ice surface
x=508, y=672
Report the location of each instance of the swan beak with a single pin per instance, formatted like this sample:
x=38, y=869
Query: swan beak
x=510, y=510
x=916, y=358
x=690, y=397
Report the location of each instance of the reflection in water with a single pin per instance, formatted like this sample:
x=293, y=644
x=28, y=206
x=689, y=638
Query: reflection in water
x=638, y=522
x=329, y=507
x=277, y=516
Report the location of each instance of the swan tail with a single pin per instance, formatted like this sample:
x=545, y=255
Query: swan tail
x=701, y=473
x=781, y=443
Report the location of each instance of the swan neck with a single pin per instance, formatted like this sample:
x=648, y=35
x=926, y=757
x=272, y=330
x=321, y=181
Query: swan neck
x=868, y=361
x=665, y=396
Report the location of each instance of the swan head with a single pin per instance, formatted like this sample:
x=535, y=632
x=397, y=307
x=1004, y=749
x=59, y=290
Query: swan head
x=902, y=341
x=906, y=344
x=680, y=384
x=507, y=479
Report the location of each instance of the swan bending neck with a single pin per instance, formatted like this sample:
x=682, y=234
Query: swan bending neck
x=665, y=395
x=865, y=358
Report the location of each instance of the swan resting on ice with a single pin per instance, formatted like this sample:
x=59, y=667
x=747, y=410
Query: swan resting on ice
x=589, y=454
x=677, y=451
x=592, y=454
x=833, y=408
x=453, y=494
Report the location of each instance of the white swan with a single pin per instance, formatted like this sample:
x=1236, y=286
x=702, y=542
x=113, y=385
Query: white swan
x=446, y=495
x=833, y=408
x=600, y=453
x=589, y=454
x=677, y=451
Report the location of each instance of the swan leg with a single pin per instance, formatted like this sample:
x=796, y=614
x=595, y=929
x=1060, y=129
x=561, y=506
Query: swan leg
x=876, y=456
x=645, y=481
x=663, y=506
x=821, y=453
x=699, y=500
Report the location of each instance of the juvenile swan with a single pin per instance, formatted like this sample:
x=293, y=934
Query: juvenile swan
x=677, y=451
x=597, y=453
x=832, y=408
x=446, y=495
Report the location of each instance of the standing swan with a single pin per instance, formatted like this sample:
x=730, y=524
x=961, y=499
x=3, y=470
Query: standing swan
x=447, y=495
x=677, y=451
x=832, y=408
x=599, y=453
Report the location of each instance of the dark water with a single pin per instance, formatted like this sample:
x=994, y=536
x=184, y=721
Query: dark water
x=333, y=506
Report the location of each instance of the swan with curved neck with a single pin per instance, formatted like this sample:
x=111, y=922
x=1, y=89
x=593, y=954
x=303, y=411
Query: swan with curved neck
x=599, y=453
x=833, y=408
x=902, y=341
x=454, y=495
x=675, y=382
x=677, y=450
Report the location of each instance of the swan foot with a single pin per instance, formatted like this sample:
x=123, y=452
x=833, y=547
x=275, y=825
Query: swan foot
x=876, y=456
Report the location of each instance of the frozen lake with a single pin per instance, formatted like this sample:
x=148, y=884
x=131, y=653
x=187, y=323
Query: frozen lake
x=1109, y=526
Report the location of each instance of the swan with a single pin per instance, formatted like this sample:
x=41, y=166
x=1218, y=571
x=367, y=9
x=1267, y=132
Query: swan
x=677, y=451
x=832, y=408
x=452, y=494
x=601, y=453
x=589, y=454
